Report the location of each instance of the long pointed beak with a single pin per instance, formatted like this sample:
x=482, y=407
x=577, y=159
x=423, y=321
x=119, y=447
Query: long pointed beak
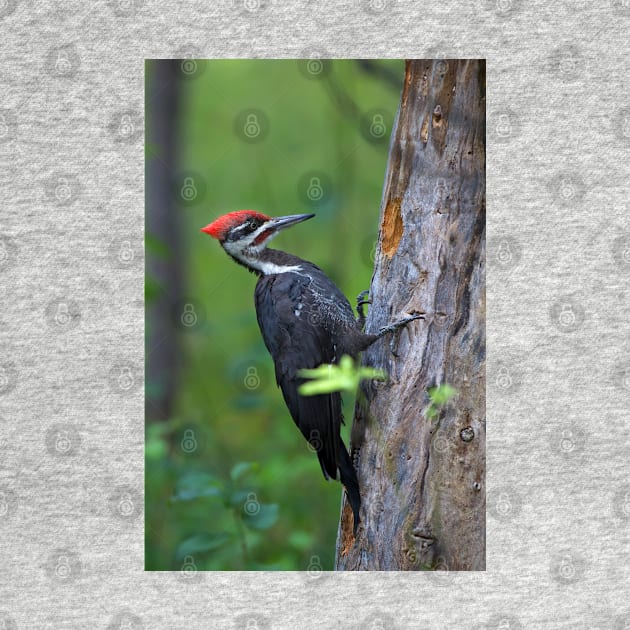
x=279, y=223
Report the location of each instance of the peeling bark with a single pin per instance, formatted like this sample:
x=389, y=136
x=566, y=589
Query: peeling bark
x=423, y=480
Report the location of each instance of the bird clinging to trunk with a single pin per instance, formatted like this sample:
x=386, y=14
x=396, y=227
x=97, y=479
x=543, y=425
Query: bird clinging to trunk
x=305, y=321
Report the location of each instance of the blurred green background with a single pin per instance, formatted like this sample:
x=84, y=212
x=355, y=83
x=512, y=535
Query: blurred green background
x=230, y=482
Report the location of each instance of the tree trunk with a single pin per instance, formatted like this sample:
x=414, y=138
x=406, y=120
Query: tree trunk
x=422, y=478
x=161, y=222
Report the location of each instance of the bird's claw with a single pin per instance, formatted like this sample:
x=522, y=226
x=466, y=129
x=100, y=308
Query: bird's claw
x=399, y=324
x=362, y=300
x=395, y=327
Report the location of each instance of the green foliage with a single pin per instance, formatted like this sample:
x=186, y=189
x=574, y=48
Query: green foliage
x=200, y=544
x=225, y=388
x=237, y=500
x=344, y=377
x=438, y=397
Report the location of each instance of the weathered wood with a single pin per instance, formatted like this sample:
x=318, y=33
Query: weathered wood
x=423, y=480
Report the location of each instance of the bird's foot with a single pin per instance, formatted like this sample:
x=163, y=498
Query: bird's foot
x=362, y=300
x=400, y=324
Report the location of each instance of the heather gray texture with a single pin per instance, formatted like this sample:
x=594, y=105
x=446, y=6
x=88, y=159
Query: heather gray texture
x=71, y=367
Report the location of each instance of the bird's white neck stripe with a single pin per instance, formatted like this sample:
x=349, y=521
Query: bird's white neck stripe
x=269, y=268
x=252, y=259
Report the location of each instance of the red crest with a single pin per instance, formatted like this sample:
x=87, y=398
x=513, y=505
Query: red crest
x=220, y=227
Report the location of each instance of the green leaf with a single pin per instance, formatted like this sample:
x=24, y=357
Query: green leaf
x=263, y=516
x=241, y=469
x=238, y=497
x=439, y=396
x=328, y=378
x=323, y=371
x=442, y=394
x=372, y=373
x=201, y=543
x=197, y=485
x=327, y=386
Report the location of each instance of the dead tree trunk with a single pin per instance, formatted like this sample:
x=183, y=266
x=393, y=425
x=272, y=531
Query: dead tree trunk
x=423, y=479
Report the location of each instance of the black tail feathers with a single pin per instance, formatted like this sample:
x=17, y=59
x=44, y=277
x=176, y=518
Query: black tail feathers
x=349, y=479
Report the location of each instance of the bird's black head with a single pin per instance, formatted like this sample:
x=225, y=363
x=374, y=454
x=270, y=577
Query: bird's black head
x=249, y=228
x=245, y=234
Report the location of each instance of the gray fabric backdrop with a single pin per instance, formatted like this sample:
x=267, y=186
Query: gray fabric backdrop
x=71, y=458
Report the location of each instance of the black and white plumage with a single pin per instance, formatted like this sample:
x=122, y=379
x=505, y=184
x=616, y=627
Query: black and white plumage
x=305, y=321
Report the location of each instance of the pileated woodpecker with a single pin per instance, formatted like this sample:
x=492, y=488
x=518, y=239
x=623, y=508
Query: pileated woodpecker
x=305, y=321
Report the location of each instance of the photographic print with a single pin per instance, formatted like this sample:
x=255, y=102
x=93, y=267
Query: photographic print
x=315, y=314
x=243, y=246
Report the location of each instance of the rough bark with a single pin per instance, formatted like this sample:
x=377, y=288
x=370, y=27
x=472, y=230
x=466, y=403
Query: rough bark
x=423, y=480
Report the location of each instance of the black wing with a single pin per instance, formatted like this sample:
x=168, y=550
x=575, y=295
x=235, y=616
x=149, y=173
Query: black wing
x=296, y=334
